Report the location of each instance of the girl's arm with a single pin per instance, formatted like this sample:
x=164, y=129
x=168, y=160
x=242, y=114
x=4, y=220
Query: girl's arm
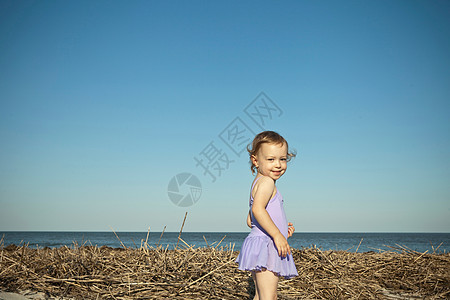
x=263, y=192
x=249, y=220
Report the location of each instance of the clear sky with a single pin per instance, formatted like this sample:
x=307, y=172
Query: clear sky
x=102, y=103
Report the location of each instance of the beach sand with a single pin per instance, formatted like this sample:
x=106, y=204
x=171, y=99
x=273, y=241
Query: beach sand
x=27, y=295
x=12, y=296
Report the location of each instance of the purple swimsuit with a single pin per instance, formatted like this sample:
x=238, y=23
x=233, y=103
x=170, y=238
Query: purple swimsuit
x=258, y=250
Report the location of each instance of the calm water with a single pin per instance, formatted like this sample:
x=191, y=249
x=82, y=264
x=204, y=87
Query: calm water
x=335, y=241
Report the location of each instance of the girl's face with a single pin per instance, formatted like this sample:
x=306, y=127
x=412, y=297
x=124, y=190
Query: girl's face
x=271, y=160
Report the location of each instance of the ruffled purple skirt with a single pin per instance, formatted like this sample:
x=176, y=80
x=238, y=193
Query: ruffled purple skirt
x=259, y=252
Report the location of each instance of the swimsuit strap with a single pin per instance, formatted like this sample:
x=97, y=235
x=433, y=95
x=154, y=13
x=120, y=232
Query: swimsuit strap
x=253, y=185
x=250, y=201
x=251, y=191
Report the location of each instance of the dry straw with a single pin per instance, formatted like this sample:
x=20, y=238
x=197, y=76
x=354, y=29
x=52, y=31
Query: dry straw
x=91, y=272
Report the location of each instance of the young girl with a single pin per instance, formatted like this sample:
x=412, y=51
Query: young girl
x=266, y=252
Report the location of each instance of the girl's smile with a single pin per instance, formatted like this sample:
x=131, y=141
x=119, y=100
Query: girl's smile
x=271, y=160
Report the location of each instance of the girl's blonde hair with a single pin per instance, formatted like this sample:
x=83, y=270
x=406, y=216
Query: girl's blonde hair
x=270, y=137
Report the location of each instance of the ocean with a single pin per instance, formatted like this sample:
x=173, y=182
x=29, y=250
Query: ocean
x=361, y=242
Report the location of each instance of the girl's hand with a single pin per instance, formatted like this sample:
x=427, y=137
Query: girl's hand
x=249, y=220
x=291, y=229
x=282, y=245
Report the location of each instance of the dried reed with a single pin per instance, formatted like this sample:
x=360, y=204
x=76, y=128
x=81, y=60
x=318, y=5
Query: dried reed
x=90, y=272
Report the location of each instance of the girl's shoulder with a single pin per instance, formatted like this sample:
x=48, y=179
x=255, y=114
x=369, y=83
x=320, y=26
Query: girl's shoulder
x=264, y=180
x=263, y=183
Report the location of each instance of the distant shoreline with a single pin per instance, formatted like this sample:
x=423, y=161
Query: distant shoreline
x=185, y=231
x=326, y=241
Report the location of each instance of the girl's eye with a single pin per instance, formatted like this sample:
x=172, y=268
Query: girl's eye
x=283, y=159
x=270, y=159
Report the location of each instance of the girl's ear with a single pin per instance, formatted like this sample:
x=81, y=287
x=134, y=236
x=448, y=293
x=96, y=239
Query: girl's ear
x=254, y=161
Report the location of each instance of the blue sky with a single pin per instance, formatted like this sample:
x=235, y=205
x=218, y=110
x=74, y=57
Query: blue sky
x=103, y=102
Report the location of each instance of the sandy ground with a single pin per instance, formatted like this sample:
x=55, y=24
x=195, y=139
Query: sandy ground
x=27, y=295
x=14, y=296
x=11, y=296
